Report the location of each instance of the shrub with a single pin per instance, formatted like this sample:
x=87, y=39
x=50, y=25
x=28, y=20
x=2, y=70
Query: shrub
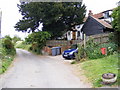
x=114, y=37
x=8, y=46
x=7, y=52
x=81, y=53
x=38, y=41
x=111, y=47
x=15, y=39
x=2, y=53
x=93, y=49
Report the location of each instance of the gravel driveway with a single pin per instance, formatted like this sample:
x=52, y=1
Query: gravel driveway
x=33, y=71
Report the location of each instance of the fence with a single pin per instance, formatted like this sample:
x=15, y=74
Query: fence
x=99, y=38
x=61, y=42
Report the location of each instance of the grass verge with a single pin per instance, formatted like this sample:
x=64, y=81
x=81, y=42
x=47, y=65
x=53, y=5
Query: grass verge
x=22, y=45
x=5, y=63
x=93, y=69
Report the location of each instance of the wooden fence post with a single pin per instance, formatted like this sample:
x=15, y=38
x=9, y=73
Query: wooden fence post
x=84, y=41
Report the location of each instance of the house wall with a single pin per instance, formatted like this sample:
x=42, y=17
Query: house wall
x=79, y=33
x=107, y=16
x=69, y=35
x=109, y=19
x=92, y=27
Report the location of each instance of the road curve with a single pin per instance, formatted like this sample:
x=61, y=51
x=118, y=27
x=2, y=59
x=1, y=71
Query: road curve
x=32, y=71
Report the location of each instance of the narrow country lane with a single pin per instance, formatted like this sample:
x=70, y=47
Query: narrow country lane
x=32, y=71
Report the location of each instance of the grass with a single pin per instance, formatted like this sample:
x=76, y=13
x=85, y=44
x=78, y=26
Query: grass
x=22, y=45
x=28, y=47
x=94, y=69
x=5, y=63
x=5, y=59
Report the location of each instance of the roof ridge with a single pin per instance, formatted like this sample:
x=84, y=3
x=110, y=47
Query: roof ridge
x=104, y=23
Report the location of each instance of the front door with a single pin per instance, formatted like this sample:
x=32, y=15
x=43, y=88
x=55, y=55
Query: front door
x=74, y=35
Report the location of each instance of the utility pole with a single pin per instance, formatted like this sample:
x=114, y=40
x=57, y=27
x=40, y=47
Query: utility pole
x=0, y=22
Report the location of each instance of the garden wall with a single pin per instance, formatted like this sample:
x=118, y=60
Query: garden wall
x=100, y=38
x=65, y=44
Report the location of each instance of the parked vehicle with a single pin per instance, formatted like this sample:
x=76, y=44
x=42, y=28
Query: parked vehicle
x=70, y=53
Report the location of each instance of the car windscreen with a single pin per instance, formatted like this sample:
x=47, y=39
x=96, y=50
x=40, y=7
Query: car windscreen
x=73, y=46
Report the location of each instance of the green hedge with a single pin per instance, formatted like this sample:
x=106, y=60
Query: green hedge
x=7, y=53
x=94, y=52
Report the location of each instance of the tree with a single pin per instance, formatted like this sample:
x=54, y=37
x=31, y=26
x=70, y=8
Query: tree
x=8, y=46
x=116, y=25
x=116, y=17
x=56, y=18
x=15, y=39
x=8, y=37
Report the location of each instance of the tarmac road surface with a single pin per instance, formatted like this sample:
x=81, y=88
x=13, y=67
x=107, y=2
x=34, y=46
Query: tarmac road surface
x=33, y=71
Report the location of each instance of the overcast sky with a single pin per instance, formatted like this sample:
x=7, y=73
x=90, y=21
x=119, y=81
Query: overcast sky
x=10, y=14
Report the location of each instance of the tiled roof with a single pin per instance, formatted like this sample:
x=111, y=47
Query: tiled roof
x=99, y=15
x=104, y=23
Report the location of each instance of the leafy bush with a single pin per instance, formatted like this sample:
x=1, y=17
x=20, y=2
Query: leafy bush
x=15, y=39
x=111, y=47
x=8, y=46
x=94, y=53
x=22, y=45
x=7, y=52
x=38, y=41
x=6, y=62
x=8, y=37
x=2, y=53
x=114, y=37
x=81, y=53
x=93, y=50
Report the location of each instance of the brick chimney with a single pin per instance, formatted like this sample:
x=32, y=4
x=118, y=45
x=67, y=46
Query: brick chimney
x=90, y=13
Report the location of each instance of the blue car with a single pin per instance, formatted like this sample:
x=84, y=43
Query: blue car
x=70, y=53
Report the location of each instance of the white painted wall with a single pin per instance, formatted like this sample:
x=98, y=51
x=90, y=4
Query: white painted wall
x=78, y=28
x=69, y=35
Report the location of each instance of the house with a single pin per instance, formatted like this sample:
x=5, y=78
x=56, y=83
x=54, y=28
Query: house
x=75, y=34
x=93, y=24
x=105, y=15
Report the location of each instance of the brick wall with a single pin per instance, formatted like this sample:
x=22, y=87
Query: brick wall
x=47, y=50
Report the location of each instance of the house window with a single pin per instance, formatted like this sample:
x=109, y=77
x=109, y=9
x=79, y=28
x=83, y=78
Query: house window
x=106, y=14
x=68, y=33
x=78, y=34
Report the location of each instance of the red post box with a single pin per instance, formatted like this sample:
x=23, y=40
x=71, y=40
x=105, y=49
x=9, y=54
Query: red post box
x=103, y=51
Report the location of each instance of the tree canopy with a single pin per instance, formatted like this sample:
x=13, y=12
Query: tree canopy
x=116, y=17
x=56, y=17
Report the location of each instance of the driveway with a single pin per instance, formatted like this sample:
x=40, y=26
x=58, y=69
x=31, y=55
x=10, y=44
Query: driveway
x=33, y=71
